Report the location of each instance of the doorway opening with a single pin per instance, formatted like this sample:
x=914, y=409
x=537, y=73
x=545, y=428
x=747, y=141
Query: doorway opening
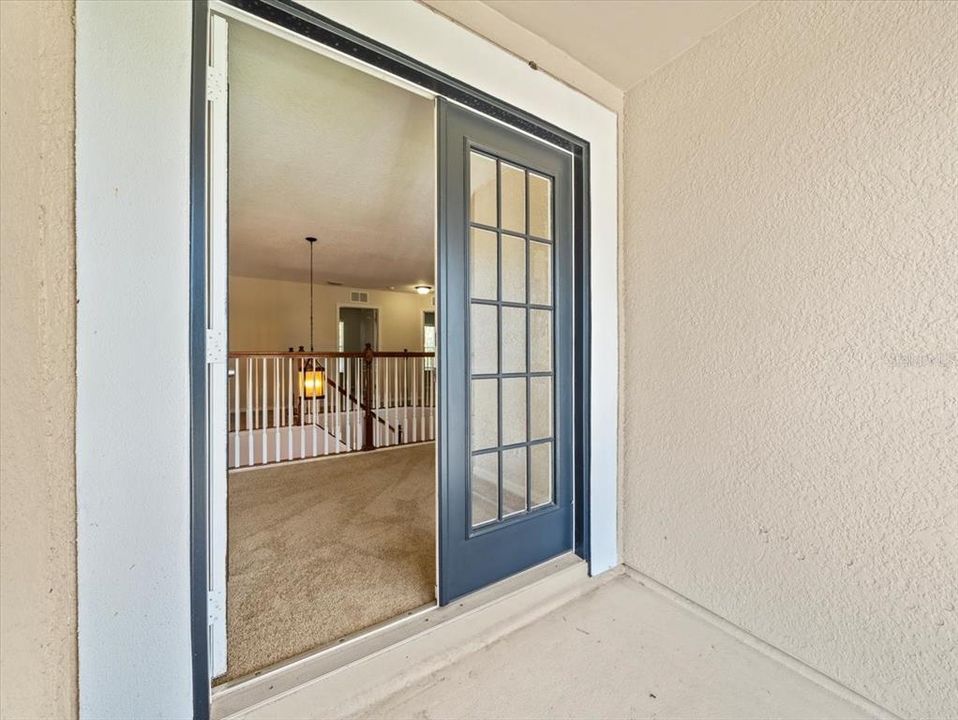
x=331, y=392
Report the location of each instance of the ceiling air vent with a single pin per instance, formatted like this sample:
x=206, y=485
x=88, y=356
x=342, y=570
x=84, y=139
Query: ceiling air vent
x=355, y=296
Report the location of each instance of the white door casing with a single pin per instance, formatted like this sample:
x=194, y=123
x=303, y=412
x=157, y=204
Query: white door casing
x=217, y=97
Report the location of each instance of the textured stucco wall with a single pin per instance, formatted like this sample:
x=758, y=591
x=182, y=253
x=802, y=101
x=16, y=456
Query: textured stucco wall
x=790, y=327
x=38, y=662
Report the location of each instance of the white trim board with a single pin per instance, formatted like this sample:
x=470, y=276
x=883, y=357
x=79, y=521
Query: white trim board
x=133, y=64
x=133, y=240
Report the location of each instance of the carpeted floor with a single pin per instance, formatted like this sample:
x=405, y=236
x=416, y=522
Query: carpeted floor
x=322, y=549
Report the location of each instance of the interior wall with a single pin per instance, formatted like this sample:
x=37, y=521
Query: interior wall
x=790, y=369
x=266, y=314
x=38, y=662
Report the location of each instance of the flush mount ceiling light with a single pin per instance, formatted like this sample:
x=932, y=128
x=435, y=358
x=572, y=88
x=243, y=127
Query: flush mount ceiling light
x=424, y=289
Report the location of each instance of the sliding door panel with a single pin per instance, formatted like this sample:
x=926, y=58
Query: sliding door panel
x=505, y=264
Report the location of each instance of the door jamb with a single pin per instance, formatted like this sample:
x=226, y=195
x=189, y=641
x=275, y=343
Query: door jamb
x=316, y=27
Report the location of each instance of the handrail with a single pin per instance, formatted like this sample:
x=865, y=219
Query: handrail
x=330, y=354
x=375, y=397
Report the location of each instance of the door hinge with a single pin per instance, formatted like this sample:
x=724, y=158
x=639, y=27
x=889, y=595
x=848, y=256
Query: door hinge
x=211, y=609
x=215, y=84
x=215, y=346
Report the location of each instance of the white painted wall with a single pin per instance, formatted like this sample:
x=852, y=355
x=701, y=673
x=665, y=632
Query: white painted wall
x=133, y=504
x=791, y=349
x=133, y=84
x=267, y=314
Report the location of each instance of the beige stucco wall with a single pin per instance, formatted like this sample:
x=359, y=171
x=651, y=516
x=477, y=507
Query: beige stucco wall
x=270, y=314
x=38, y=663
x=790, y=330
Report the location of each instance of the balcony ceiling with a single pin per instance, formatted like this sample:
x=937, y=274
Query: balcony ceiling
x=319, y=148
x=623, y=41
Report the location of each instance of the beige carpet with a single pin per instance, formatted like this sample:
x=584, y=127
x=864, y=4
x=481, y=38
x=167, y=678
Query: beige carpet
x=323, y=549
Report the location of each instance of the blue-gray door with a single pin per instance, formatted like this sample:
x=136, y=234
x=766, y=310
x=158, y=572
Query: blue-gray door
x=505, y=351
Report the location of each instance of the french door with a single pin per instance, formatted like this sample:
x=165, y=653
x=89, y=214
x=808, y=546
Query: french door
x=505, y=270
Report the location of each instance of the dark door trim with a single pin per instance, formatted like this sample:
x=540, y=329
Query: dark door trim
x=199, y=570
x=314, y=26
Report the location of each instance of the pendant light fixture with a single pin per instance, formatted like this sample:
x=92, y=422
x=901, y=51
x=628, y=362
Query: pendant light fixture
x=312, y=380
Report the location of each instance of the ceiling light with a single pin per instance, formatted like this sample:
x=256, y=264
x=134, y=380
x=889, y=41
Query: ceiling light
x=424, y=289
x=312, y=378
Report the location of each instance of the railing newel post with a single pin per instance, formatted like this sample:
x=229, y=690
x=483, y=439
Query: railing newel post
x=367, y=401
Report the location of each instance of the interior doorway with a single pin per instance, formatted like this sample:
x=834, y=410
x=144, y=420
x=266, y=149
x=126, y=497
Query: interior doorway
x=358, y=327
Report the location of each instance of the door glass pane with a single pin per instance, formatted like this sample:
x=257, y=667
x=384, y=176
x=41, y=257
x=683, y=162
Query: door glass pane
x=540, y=206
x=513, y=198
x=513, y=340
x=540, y=273
x=485, y=488
x=510, y=271
x=513, y=410
x=540, y=340
x=513, y=481
x=485, y=414
x=484, y=338
x=482, y=264
x=482, y=184
x=540, y=474
x=513, y=269
x=540, y=408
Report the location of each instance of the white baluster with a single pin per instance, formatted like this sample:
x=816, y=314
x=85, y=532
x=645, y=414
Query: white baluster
x=255, y=395
x=374, y=369
x=277, y=402
x=236, y=412
x=415, y=392
x=357, y=411
x=386, y=410
x=264, y=425
x=337, y=398
x=405, y=399
x=289, y=408
x=302, y=411
x=326, y=406
x=421, y=379
x=312, y=404
x=348, y=418
x=249, y=410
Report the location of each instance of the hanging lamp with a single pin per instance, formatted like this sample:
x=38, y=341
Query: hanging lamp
x=312, y=380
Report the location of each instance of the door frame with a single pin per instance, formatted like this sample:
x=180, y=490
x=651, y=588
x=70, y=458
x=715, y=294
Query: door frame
x=379, y=315
x=312, y=26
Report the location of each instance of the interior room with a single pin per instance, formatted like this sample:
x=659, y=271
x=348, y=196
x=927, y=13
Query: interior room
x=331, y=526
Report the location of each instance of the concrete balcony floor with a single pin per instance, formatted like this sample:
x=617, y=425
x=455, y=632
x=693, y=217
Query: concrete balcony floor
x=621, y=650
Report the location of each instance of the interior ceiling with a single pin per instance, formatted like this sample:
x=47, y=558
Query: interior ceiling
x=319, y=148
x=621, y=40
